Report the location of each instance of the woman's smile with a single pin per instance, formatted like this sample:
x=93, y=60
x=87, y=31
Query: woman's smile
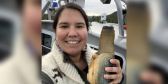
x=72, y=42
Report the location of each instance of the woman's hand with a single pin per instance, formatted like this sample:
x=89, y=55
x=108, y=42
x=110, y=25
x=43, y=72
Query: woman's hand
x=118, y=76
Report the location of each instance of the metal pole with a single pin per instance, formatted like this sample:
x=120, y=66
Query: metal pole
x=120, y=18
x=46, y=7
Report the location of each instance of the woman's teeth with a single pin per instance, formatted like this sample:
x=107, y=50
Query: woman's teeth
x=72, y=42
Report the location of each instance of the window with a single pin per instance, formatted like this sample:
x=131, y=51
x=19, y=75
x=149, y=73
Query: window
x=46, y=40
x=46, y=43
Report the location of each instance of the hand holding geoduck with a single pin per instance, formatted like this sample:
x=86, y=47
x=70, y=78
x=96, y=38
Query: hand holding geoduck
x=104, y=68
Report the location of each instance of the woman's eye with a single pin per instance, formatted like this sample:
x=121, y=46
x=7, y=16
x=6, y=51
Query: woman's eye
x=64, y=26
x=79, y=27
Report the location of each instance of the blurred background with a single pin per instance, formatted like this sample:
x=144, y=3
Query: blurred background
x=20, y=41
x=147, y=41
x=8, y=16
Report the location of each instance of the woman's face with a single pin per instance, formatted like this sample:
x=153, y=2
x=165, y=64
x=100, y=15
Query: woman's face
x=71, y=32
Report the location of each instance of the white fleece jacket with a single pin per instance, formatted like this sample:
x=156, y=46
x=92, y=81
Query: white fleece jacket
x=60, y=72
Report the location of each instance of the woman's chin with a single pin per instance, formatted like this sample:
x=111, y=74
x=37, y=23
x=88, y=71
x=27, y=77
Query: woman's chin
x=73, y=52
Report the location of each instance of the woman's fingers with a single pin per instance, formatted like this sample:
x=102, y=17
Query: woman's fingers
x=113, y=69
x=115, y=61
x=106, y=76
x=113, y=76
x=117, y=78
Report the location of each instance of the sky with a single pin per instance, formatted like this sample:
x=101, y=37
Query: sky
x=96, y=7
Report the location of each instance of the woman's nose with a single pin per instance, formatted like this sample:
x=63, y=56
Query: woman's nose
x=72, y=32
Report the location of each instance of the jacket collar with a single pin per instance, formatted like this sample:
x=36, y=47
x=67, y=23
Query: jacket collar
x=67, y=68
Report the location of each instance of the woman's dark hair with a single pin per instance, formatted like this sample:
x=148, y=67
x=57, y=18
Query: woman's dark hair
x=70, y=6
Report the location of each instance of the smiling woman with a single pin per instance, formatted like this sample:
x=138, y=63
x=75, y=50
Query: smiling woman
x=71, y=32
x=69, y=59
